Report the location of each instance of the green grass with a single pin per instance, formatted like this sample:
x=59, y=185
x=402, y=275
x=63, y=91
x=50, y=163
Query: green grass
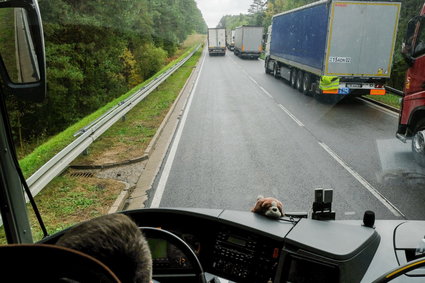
x=128, y=139
x=30, y=163
x=69, y=200
x=389, y=99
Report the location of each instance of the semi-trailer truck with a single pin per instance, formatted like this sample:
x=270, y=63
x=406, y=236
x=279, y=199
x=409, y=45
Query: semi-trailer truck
x=248, y=41
x=230, y=39
x=217, y=41
x=412, y=113
x=335, y=48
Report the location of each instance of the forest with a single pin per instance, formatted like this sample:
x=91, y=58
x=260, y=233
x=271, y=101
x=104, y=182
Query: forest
x=97, y=50
x=261, y=12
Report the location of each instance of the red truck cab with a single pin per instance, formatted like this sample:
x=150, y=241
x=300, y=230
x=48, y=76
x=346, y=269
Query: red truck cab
x=412, y=114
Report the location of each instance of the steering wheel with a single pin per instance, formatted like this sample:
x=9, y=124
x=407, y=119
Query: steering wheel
x=196, y=272
x=403, y=269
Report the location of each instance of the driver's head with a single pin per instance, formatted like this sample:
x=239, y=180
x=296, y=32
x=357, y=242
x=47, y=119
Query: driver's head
x=116, y=241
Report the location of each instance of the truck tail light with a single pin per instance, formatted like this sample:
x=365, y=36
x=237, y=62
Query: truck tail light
x=377, y=92
x=335, y=91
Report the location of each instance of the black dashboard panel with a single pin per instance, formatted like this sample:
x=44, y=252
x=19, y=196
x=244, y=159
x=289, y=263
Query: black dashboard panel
x=337, y=251
x=244, y=257
x=236, y=245
x=246, y=247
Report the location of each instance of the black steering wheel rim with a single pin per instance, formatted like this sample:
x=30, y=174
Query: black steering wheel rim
x=156, y=233
x=403, y=269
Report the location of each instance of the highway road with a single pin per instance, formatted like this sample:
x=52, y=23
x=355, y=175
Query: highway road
x=245, y=133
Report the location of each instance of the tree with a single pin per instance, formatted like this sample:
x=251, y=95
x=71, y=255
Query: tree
x=96, y=50
x=257, y=11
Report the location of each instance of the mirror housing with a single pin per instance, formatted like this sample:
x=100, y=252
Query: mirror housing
x=409, y=40
x=33, y=88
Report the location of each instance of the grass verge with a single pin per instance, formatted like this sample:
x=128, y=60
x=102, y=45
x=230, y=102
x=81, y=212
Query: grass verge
x=68, y=200
x=128, y=139
x=47, y=150
x=389, y=99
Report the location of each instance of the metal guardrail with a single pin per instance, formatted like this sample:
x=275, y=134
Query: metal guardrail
x=89, y=134
x=395, y=91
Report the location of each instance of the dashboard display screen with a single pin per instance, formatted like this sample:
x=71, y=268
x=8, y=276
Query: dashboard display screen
x=158, y=248
x=236, y=241
x=166, y=256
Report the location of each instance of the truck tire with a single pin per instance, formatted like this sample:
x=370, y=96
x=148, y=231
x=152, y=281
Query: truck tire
x=306, y=86
x=299, y=84
x=418, y=143
x=276, y=71
x=266, y=66
x=293, y=81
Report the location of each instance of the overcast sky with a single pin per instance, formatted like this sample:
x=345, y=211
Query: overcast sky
x=213, y=10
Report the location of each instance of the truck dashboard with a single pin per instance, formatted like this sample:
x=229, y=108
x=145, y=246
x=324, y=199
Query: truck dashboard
x=246, y=247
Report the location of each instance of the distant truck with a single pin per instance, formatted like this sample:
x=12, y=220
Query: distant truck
x=331, y=49
x=248, y=41
x=412, y=115
x=217, y=41
x=230, y=39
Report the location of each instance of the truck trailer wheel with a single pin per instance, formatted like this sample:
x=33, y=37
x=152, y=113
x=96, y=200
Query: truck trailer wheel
x=276, y=70
x=300, y=76
x=418, y=143
x=293, y=81
x=306, y=84
x=266, y=66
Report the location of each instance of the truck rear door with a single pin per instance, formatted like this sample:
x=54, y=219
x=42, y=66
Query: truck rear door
x=361, y=38
x=212, y=38
x=221, y=37
x=252, y=37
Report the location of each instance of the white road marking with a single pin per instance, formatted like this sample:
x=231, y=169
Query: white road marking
x=291, y=115
x=362, y=181
x=349, y=213
x=170, y=159
x=254, y=81
x=266, y=92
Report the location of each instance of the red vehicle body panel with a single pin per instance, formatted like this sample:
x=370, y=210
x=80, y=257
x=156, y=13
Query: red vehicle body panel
x=414, y=93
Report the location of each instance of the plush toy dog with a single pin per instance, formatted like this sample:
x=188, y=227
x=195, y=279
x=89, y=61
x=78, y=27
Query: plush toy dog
x=269, y=207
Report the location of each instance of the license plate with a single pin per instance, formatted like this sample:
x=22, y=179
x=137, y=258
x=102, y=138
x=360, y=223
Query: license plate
x=354, y=85
x=344, y=90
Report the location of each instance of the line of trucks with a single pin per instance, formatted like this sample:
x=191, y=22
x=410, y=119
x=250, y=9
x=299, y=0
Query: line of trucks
x=244, y=41
x=331, y=49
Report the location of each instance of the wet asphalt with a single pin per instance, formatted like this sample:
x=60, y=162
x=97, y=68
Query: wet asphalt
x=247, y=134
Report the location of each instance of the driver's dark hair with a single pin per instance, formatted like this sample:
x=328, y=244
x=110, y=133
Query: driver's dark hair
x=116, y=241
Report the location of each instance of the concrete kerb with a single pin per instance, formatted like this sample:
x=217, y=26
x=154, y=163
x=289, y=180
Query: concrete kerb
x=123, y=197
x=120, y=201
x=110, y=165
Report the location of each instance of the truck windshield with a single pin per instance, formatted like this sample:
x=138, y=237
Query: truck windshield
x=209, y=104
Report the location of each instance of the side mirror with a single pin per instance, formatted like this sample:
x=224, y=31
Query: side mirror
x=22, y=55
x=409, y=40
